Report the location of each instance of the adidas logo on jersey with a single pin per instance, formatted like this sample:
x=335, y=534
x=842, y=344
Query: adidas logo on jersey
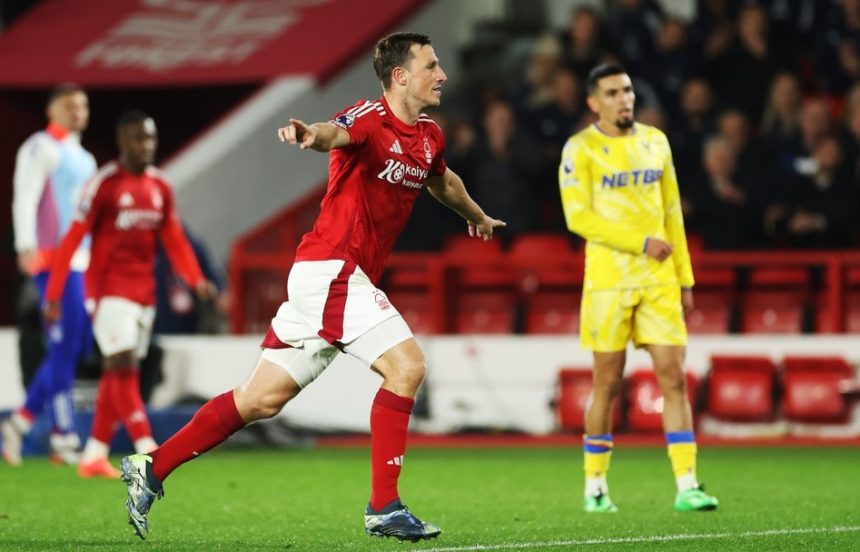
x=125, y=200
x=396, y=461
x=395, y=147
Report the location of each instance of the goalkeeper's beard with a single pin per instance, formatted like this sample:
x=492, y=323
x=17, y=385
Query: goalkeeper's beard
x=624, y=124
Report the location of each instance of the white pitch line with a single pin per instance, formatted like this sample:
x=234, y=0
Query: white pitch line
x=654, y=538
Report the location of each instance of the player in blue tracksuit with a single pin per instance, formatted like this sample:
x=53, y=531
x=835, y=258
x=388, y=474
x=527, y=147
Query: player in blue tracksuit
x=51, y=169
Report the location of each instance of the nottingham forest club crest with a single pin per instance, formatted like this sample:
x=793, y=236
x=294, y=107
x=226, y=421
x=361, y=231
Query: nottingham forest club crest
x=428, y=151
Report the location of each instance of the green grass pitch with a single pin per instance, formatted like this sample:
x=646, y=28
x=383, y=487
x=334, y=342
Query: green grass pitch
x=484, y=499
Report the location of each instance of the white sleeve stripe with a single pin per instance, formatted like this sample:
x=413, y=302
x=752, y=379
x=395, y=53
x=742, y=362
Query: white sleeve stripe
x=357, y=108
x=364, y=111
x=92, y=187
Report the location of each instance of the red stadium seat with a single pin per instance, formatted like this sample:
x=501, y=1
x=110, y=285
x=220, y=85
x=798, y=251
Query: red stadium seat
x=552, y=313
x=415, y=307
x=546, y=261
x=573, y=396
x=645, y=401
x=550, y=280
x=741, y=388
x=795, y=278
x=776, y=300
x=470, y=247
x=541, y=245
x=851, y=304
x=852, y=312
x=811, y=389
x=485, y=312
x=712, y=313
x=482, y=286
x=777, y=312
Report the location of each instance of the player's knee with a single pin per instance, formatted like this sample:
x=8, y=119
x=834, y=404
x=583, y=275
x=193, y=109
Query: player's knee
x=607, y=387
x=409, y=377
x=673, y=383
x=265, y=409
x=260, y=407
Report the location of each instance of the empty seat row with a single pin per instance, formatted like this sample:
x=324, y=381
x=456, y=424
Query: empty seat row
x=738, y=389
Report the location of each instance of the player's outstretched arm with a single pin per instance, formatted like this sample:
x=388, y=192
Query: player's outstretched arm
x=60, y=268
x=450, y=190
x=317, y=136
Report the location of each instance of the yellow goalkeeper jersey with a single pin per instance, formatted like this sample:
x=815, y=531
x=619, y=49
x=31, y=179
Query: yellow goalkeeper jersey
x=616, y=193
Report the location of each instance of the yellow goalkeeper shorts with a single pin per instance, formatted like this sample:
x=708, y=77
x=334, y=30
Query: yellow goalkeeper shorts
x=649, y=316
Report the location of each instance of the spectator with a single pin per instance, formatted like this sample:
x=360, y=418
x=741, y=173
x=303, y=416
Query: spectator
x=546, y=59
x=713, y=30
x=636, y=25
x=814, y=125
x=505, y=167
x=781, y=119
x=178, y=309
x=674, y=61
x=734, y=126
x=692, y=124
x=652, y=116
x=721, y=202
x=583, y=43
x=552, y=125
x=851, y=131
x=838, y=55
x=819, y=204
x=742, y=74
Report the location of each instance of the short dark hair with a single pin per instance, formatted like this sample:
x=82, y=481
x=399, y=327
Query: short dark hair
x=600, y=72
x=393, y=51
x=64, y=89
x=131, y=117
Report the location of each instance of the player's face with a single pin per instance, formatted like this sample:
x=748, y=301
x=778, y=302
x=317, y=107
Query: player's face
x=71, y=111
x=424, y=76
x=138, y=143
x=613, y=101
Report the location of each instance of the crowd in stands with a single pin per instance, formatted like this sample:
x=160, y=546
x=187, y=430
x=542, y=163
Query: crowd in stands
x=760, y=101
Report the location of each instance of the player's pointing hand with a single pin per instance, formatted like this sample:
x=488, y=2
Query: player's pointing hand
x=298, y=132
x=485, y=228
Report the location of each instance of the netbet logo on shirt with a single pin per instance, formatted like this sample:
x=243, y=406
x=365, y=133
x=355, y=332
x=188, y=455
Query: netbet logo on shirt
x=398, y=172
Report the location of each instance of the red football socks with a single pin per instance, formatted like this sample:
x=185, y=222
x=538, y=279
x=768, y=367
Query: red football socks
x=129, y=405
x=389, y=422
x=211, y=425
x=105, y=417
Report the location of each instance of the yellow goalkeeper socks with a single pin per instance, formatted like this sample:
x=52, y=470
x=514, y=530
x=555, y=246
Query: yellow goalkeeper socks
x=682, y=454
x=597, y=451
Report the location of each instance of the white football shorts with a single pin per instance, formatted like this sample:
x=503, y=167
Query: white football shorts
x=332, y=306
x=120, y=324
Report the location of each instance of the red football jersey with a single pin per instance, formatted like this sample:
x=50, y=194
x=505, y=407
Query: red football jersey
x=125, y=214
x=372, y=185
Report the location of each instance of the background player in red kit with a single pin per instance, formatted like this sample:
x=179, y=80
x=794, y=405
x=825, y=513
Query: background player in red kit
x=383, y=153
x=126, y=207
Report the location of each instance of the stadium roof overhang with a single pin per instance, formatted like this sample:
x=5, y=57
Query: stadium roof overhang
x=140, y=43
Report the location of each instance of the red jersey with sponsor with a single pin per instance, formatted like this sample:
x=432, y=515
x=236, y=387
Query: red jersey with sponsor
x=126, y=214
x=372, y=185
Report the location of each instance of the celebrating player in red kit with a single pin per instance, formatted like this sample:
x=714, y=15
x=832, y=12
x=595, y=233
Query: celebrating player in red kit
x=126, y=208
x=383, y=152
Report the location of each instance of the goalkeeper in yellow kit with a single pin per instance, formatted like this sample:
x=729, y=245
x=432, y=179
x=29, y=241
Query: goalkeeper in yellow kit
x=620, y=193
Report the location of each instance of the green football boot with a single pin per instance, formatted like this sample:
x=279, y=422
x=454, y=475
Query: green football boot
x=600, y=504
x=695, y=500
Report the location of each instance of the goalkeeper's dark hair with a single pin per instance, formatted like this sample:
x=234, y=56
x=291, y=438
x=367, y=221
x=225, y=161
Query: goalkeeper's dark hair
x=601, y=72
x=131, y=117
x=64, y=89
x=393, y=51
